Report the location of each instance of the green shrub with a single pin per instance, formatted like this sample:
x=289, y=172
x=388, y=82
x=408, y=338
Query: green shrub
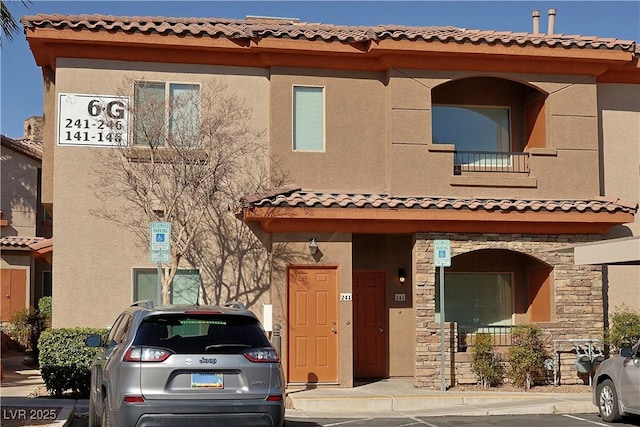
x=44, y=307
x=65, y=361
x=624, y=328
x=526, y=356
x=485, y=363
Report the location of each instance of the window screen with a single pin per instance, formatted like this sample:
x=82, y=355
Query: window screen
x=183, y=116
x=308, y=118
x=149, y=114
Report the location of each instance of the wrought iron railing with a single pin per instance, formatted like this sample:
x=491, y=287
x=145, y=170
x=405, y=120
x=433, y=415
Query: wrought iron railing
x=490, y=161
x=501, y=335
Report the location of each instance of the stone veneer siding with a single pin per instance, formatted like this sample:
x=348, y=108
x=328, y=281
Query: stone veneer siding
x=577, y=291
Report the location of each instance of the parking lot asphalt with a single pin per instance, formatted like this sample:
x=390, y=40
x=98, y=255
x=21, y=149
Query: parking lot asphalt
x=379, y=399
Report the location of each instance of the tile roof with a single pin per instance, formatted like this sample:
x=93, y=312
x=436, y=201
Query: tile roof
x=252, y=28
x=289, y=197
x=25, y=146
x=19, y=241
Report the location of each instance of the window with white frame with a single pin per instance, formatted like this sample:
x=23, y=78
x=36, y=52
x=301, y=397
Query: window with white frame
x=184, y=287
x=308, y=118
x=476, y=299
x=166, y=113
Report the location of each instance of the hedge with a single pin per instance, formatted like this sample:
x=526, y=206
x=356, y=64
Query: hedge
x=65, y=360
x=624, y=328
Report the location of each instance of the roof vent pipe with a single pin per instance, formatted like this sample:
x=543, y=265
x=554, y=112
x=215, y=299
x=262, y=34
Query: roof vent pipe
x=536, y=21
x=552, y=21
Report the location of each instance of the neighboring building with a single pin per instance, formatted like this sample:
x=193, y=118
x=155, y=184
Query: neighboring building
x=390, y=138
x=26, y=226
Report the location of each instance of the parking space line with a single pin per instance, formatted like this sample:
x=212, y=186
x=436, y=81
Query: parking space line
x=341, y=423
x=415, y=423
x=589, y=421
x=418, y=421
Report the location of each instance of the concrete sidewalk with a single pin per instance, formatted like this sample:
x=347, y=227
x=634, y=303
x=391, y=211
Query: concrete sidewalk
x=400, y=397
x=386, y=398
x=20, y=388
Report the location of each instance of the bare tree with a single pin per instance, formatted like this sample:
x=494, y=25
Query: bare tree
x=190, y=157
x=234, y=261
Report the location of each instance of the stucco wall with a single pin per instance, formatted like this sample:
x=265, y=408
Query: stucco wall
x=619, y=110
x=378, y=136
x=355, y=153
x=94, y=258
x=19, y=194
x=570, y=156
x=334, y=250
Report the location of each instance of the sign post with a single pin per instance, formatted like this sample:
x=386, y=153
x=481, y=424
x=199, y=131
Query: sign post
x=160, y=249
x=442, y=259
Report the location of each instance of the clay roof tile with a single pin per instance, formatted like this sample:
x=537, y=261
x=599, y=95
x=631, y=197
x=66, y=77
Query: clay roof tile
x=300, y=198
x=261, y=28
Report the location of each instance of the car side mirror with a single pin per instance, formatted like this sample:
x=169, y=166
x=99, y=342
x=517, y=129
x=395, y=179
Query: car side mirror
x=626, y=352
x=93, y=341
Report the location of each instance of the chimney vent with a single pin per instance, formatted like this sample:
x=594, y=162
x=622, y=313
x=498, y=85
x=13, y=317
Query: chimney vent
x=552, y=21
x=536, y=21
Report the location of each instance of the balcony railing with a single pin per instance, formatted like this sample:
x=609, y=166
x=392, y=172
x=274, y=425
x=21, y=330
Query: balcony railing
x=489, y=161
x=467, y=333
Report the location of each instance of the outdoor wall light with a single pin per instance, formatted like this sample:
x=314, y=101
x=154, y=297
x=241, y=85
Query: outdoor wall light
x=402, y=275
x=157, y=208
x=313, y=246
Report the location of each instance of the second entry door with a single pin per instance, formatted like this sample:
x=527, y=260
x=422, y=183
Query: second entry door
x=369, y=325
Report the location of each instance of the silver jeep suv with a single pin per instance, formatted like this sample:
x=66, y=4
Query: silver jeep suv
x=616, y=385
x=185, y=366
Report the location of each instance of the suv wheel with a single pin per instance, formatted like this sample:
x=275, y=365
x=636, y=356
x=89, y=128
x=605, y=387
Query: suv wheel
x=106, y=417
x=608, y=401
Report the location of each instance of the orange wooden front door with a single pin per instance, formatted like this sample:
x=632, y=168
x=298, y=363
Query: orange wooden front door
x=369, y=325
x=313, y=325
x=14, y=292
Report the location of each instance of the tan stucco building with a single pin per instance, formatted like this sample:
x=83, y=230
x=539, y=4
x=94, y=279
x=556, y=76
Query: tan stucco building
x=25, y=244
x=388, y=139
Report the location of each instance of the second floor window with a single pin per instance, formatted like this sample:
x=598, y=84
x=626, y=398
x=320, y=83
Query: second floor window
x=472, y=128
x=184, y=287
x=166, y=114
x=308, y=118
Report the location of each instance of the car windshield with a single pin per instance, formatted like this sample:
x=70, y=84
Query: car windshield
x=201, y=333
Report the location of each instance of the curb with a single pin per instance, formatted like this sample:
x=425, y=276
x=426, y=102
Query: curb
x=439, y=405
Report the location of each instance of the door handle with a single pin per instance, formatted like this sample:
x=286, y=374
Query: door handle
x=334, y=330
x=381, y=330
x=7, y=296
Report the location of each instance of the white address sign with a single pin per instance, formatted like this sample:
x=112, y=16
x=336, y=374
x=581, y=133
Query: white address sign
x=92, y=120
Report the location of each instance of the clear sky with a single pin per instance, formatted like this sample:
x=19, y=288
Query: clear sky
x=21, y=90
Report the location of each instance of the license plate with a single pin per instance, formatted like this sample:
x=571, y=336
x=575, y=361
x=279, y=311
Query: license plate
x=207, y=380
